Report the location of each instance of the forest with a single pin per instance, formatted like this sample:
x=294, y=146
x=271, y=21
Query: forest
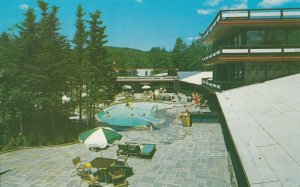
x=46, y=77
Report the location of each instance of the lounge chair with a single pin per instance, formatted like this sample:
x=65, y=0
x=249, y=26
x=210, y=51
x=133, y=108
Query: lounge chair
x=135, y=149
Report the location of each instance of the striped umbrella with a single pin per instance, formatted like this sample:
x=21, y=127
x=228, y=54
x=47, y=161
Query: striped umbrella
x=99, y=137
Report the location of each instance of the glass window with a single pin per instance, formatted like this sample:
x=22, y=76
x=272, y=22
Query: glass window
x=238, y=40
x=275, y=37
x=255, y=38
x=293, y=37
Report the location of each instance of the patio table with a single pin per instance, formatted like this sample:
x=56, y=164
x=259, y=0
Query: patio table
x=101, y=163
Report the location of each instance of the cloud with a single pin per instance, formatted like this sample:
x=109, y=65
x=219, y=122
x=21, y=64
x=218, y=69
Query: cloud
x=272, y=3
x=139, y=1
x=192, y=38
x=242, y=4
x=205, y=11
x=23, y=6
x=212, y=2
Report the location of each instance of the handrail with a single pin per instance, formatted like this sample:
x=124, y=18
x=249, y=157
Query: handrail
x=253, y=14
x=222, y=85
x=252, y=50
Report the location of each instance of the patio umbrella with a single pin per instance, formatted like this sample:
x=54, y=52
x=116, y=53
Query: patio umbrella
x=100, y=137
x=145, y=87
x=126, y=87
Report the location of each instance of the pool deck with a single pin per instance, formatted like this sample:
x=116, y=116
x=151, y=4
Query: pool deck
x=264, y=122
x=185, y=157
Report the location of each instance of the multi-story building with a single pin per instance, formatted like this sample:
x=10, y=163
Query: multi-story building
x=250, y=46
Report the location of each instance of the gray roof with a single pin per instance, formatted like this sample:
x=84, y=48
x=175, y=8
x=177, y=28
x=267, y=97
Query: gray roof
x=264, y=121
x=185, y=74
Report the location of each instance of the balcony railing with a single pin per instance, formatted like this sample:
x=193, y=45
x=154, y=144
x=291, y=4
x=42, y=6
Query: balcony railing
x=222, y=85
x=138, y=78
x=253, y=14
x=251, y=50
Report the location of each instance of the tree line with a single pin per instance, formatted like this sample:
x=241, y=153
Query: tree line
x=45, y=77
x=183, y=56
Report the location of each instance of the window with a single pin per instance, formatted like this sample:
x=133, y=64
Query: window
x=275, y=37
x=255, y=38
x=293, y=37
x=238, y=40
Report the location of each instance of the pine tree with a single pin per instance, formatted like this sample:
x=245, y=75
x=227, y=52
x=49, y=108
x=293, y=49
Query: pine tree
x=102, y=73
x=178, y=54
x=80, y=43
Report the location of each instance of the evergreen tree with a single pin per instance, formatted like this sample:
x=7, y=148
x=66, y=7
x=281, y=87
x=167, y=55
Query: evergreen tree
x=159, y=58
x=80, y=44
x=102, y=75
x=178, y=54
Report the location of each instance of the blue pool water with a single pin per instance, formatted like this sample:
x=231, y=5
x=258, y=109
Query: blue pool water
x=139, y=114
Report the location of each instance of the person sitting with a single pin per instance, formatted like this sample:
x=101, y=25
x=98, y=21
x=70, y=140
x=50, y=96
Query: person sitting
x=107, y=114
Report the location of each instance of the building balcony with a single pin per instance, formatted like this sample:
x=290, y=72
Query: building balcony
x=252, y=54
x=229, y=21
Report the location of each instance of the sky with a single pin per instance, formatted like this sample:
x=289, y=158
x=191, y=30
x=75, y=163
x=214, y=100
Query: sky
x=139, y=24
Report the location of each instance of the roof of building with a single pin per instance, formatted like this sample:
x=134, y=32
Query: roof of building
x=194, y=77
x=264, y=122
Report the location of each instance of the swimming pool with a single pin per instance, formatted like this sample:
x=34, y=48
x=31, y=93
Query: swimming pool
x=140, y=114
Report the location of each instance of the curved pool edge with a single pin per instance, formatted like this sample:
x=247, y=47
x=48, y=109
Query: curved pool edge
x=140, y=127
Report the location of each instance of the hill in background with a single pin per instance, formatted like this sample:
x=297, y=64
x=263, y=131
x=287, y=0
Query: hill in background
x=126, y=58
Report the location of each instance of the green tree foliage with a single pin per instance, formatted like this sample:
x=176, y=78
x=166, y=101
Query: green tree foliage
x=159, y=58
x=38, y=67
x=179, y=53
x=80, y=40
x=102, y=77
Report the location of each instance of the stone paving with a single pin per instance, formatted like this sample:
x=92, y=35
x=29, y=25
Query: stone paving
x=185, y=157
x=196, y=159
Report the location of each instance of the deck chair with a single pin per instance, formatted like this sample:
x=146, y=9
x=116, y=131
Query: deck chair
x=122, y=160
x=119, y=178
x=90, y=179
x=78, y=165
x=123, y=149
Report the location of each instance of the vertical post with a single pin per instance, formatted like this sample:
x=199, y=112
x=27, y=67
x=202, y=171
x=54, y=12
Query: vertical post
x=248, y=14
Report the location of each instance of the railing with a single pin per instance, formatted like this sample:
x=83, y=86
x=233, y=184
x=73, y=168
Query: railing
x=253, y=14
x=219, y=86
x=120, y=78
x=210, y=83
x=252, y=50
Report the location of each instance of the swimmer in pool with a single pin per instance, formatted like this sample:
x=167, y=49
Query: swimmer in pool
x=107, y=114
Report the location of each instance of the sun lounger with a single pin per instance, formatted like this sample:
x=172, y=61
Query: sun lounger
x=135, y=149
